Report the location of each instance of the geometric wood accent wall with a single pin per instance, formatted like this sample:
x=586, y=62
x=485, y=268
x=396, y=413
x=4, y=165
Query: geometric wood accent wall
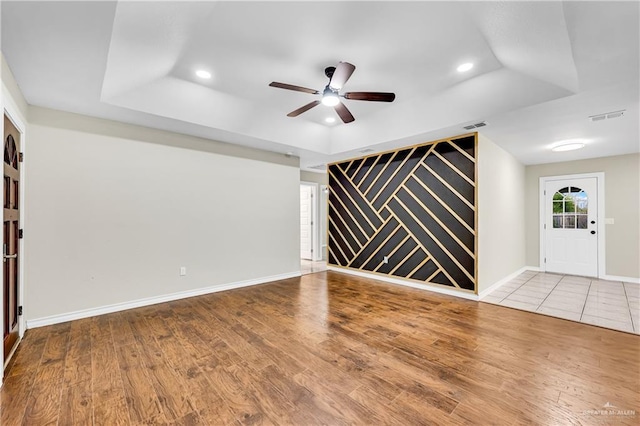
x=409, y=213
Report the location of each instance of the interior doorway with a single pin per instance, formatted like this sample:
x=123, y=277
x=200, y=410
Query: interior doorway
x=307, y=222
x=312, y=227
x=572, y=232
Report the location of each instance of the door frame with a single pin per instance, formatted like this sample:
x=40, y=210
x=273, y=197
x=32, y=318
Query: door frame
x=323, y=229
x=599, y=176
x=10, y=108
x=315, y=235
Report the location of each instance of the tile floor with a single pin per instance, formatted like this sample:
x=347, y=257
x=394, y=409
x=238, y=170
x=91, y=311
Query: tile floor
x=311, y=267
x=610, y=304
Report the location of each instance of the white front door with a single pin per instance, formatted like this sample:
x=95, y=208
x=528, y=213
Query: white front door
x=571, y=225
x=306, y=222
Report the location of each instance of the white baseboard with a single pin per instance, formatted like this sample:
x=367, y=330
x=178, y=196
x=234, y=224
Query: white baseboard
x=92, y=312
x=618, y=278
x=407, y=283
x=506, y=279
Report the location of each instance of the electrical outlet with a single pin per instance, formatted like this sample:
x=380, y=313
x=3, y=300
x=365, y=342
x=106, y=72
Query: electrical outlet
x=183, y=271
x=386, y=259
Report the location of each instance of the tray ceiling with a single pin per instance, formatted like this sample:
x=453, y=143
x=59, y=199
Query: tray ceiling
x=540, y=69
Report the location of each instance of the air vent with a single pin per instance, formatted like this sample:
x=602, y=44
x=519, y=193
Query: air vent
x=607, y=115
x=318, y=167
x=366, y=150
x=475, y=126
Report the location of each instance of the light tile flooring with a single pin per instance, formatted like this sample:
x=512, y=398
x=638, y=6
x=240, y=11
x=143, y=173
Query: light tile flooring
x=310, y=267
x=610, y=304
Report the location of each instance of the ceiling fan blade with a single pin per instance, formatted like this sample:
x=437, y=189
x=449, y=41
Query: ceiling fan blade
x=302, y=109
x=341, y=75
x=344, y=113
x=292, y=87
x=371, y=96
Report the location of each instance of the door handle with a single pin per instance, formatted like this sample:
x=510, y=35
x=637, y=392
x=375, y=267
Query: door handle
x=593, y=232
x=6, y=256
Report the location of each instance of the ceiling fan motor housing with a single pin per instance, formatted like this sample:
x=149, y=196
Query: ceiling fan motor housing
x=328, y=91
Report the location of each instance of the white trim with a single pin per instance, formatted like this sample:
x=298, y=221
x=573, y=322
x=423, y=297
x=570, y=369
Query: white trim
x=630, y=280
x=505, y=280
x=13, y=351
x=323, y=212
x=315, y=213
x=406, y=283
x=86, y=313
x=599, y=176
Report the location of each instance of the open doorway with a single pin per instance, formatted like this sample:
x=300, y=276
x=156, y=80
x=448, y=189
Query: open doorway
x=312, y=228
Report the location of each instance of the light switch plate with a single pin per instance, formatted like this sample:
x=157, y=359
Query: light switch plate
x=609, y=221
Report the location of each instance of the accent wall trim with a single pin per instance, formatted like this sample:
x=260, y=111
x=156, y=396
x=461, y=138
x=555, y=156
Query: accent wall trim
x=408, y=214
x=86, y=313
x=405, y=282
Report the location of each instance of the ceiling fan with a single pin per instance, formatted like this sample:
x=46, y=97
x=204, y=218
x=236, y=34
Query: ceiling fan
x=337, y=76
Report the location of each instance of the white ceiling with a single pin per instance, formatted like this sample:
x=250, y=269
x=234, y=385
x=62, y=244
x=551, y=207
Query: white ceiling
x=541, y=69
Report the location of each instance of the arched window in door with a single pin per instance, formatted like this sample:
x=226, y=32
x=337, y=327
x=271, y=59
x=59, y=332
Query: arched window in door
x=570, y=208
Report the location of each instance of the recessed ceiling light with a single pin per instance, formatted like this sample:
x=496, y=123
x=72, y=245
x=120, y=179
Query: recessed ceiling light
x=330, y=120
x=465, y=67
x=568, y=146
x=203, y=74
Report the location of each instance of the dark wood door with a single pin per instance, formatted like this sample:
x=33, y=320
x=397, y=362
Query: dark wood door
x=11, y=219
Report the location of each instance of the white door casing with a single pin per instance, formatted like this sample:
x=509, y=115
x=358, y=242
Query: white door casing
x=572, y=218
x=10, y=108
x=323, y=201
x=306, y=222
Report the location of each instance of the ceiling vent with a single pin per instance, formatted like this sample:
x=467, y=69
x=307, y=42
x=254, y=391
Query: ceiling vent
x=319, y=167
x=607, y=115
x=475, y=126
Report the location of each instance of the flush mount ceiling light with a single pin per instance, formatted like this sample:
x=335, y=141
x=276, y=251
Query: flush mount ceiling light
x=465, y=67
x=203, y=74
x=330, y=120
x=568, y=146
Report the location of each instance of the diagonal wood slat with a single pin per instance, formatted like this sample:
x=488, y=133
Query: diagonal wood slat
x=415, y=206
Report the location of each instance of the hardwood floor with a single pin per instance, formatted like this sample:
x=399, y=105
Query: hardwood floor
x=326, y=348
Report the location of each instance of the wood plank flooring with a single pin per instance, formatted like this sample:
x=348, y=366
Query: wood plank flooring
x=326, y=348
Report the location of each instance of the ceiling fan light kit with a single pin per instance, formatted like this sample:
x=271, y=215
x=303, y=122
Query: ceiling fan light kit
x=330, y=97
x=337, y=76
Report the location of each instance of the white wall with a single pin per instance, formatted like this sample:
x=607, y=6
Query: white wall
x=501, y=214
x=112, y=218
x=12, y=93
x=622, y=203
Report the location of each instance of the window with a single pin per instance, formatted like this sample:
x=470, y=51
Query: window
x=570, y=208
